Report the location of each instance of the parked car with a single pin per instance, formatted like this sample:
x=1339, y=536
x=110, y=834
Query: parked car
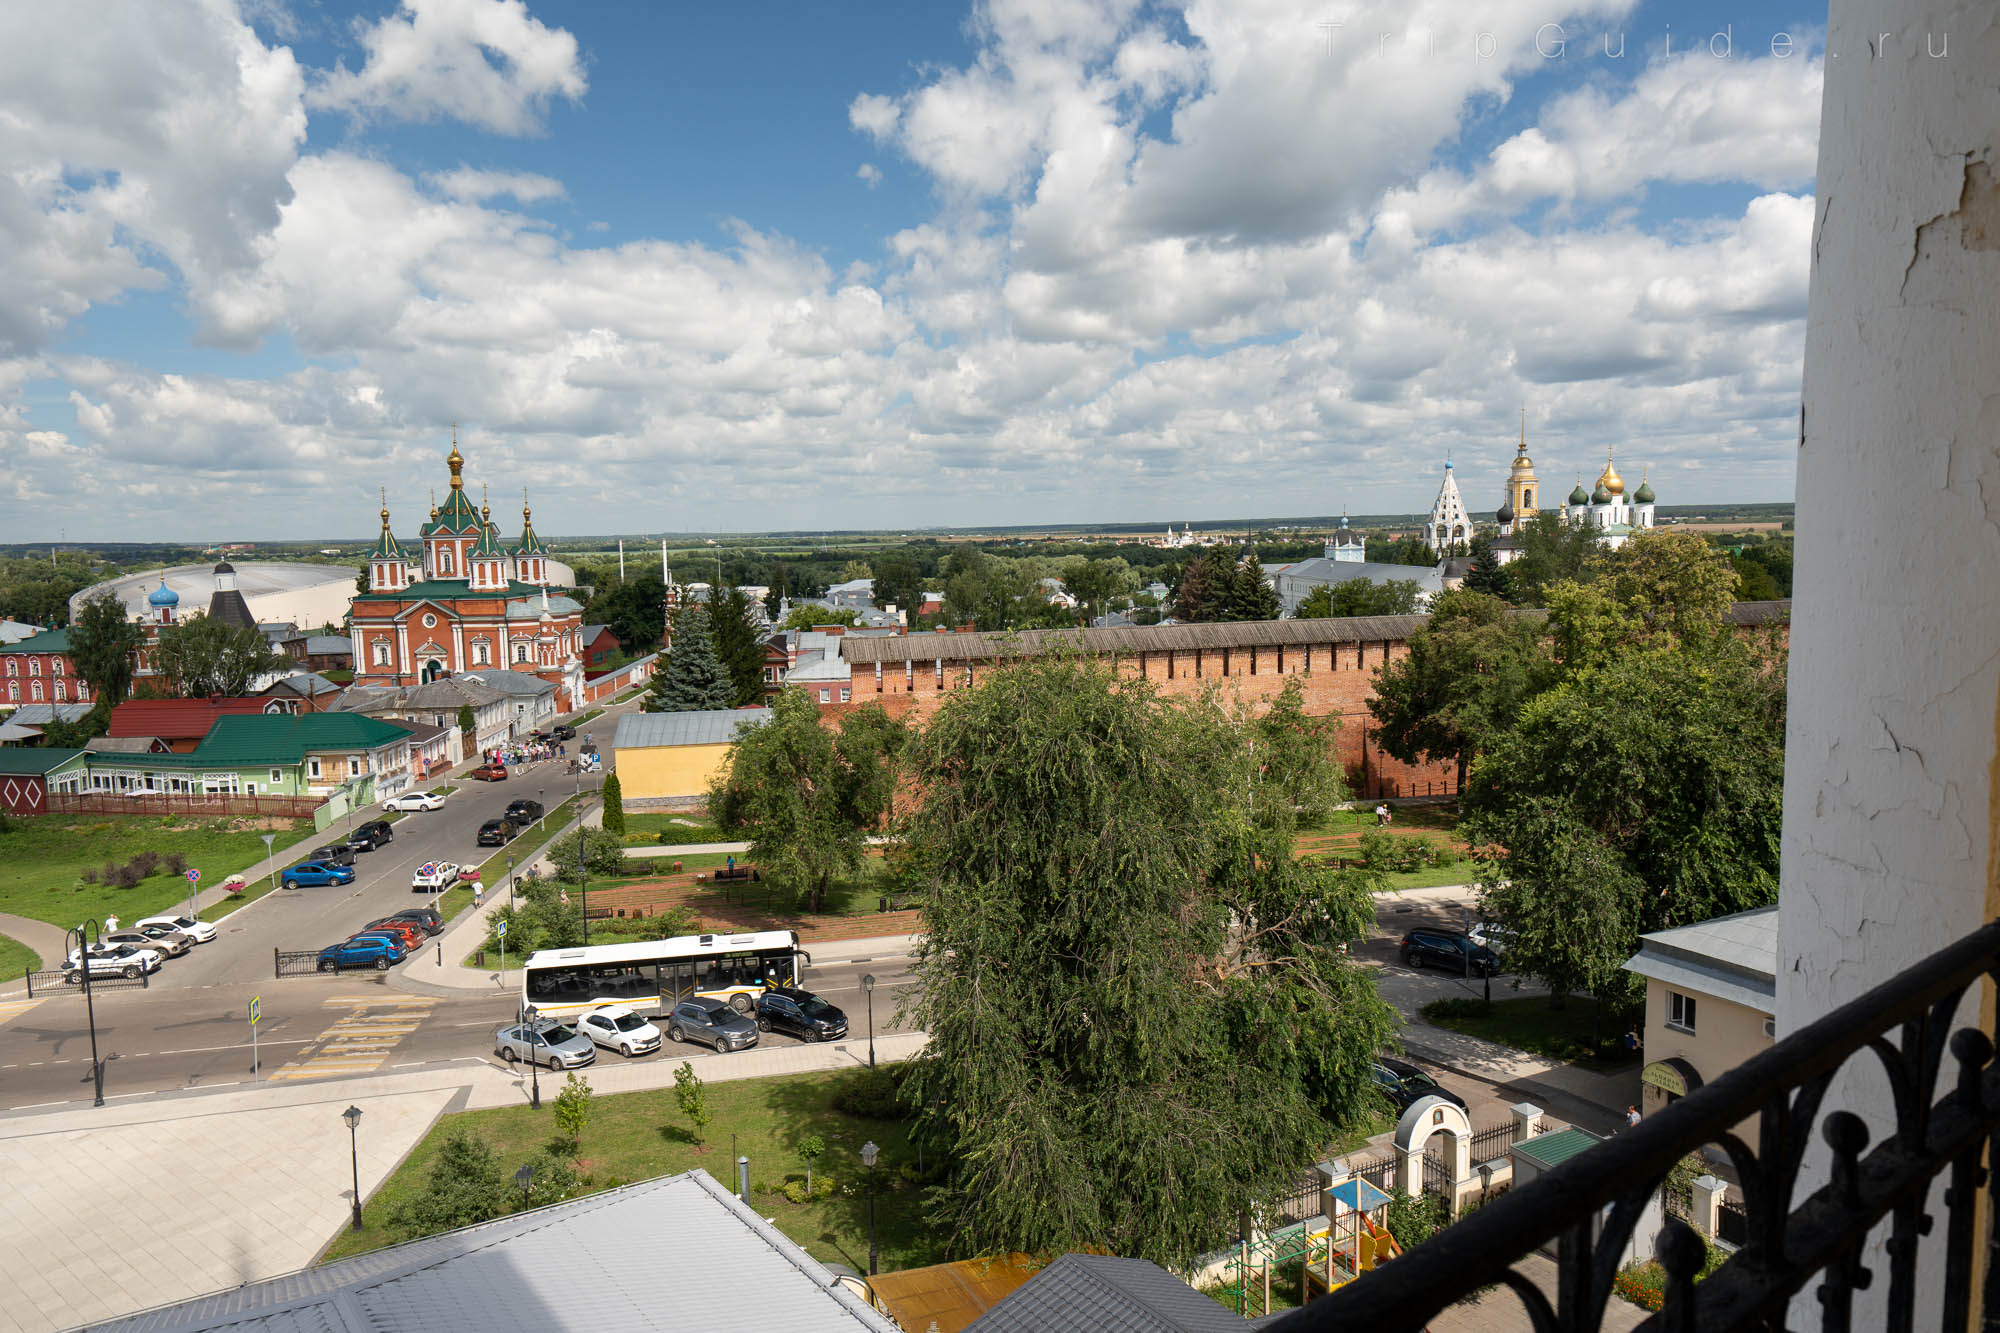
x=334, y=853
x=490, y=773
x=712, y=1023
x=415, y=800
x=496, y=832
x=435, y=877
x=431, y=922
x=372, y=835
x=563, y=731
x=202, y=931
x=111, y=960
x=409, y=933
x=544, y=1042
x=1492, y=935
x=170, y=943
x=1449, y=950
x=313, y=874
x=1405, y=1084
x=362, y=951
x=801, y=1013
x=619, y=1029
x=524, y=811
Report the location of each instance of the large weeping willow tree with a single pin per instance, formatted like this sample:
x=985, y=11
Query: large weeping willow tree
x=1141, y=1020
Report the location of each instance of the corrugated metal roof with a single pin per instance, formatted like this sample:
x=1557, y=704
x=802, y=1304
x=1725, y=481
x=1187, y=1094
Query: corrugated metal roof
x=1099, y=1293
x=513, y=683
x=283, y=738
x=48, y=641
x=178, y=719
x=1557, y=1148
x=22, y=759
x=637, y=731
x=979, y=646
x=40, y=715
x=716, y=1266
x=1732, y=958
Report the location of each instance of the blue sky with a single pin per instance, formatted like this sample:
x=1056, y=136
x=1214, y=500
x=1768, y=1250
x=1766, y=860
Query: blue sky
x=680, y=267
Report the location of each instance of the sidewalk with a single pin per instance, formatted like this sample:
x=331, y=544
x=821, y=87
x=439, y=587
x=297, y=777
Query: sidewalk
x=267, y=1184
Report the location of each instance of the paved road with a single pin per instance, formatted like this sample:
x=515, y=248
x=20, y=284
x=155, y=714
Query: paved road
x=311, y=1028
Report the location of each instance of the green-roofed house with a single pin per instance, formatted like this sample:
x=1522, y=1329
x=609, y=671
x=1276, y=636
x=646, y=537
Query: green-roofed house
x=38, y=670
x=28, y=775
x=309, y=754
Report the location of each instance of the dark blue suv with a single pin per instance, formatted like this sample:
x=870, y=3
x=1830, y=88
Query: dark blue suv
x=313, y=874
x=374, y=951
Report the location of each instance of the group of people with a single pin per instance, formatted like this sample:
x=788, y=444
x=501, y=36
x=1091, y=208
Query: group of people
x=514, y=755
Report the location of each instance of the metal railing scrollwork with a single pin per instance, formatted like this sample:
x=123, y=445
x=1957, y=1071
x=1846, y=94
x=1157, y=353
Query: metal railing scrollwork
x=1590, y=1205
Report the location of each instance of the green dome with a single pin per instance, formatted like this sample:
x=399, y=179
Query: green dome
x=1579, y=496
x=1644, y=495
x=1600, y=496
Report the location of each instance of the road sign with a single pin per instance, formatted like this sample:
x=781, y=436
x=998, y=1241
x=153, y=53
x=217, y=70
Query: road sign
x=500, y=930
x=256, y=1059
x=256, y=1008
x=194, y=876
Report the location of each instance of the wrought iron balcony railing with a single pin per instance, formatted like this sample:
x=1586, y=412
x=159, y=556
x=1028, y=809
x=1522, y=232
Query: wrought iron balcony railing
x=1590, y=1204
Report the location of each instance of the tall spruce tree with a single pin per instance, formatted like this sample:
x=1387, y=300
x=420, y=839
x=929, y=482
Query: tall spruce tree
x=1141, y=1021
x=694, y=679
x=738, y=644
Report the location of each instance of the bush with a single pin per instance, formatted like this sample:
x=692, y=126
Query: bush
x=554, y=1180
x=88, y=875
x=603, y=854
x=145, y=863
x=872, y=1094
x=1381, y=850
x=823, y=1187
x=465, y=1186
x=614, y=805
x=175, y=863
x=1412, y=1219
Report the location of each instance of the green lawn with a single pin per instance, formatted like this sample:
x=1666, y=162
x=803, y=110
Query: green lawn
x=42, y=860
x=1532, y=1023
x=1430, y=877
x=664, y=828
x=640, y=1135
x=493, y=872
x=16, y=959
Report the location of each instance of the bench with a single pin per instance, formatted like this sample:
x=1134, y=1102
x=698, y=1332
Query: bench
x=742, y=874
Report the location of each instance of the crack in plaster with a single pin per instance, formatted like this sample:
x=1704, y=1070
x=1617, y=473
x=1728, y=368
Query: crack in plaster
x=1977, y=215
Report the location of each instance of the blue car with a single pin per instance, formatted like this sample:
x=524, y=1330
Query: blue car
x=312, y=874
x=368, y=951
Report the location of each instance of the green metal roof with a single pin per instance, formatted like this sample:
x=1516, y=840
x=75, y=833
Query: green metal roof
x=456, y=516
x=530, y=543
x=489, y=542
x=51, y=641
x=1557, y=1148
x=386, y=547
x=448, y=590
x=267, y=738
x=21, y=759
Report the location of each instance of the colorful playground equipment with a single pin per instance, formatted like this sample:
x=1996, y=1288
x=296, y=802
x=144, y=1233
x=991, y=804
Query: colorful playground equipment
x=1319, y=1254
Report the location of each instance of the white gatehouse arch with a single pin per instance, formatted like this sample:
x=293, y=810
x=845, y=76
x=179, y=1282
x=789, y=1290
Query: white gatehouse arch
x=1427, y=1116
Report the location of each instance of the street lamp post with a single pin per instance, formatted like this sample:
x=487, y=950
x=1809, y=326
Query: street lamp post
x=510, y=881
x=352, y=1115
x=270, y=859
x=868, y=989
x=582, y=875
x=868, y=1154
x=528, y=1017
x=525, y=1178
x=82, y=936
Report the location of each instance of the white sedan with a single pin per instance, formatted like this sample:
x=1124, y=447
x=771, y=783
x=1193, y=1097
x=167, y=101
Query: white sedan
x=202, y=931
x=112, y=961
x=414, y=800
x=617, y=1028
x=436, y=876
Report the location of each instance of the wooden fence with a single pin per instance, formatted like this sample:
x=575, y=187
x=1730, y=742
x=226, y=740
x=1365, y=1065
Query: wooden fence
x=179, y=803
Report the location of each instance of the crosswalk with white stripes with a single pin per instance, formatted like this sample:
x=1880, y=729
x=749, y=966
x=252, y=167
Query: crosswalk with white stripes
x=362, y=1040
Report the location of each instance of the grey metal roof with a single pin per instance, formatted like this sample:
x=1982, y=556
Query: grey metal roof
x=446, y=692
x=1732, y=958
x=1131, y=639
x=308, y=683
x=121, y=744
x=329, y=643
x=825, y=665
x=513, y=683
x=714, y=726
x=1096, y=1293
x=714, y=1266
x=40, y=715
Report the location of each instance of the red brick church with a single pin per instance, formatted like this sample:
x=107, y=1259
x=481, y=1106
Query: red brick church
x=465, y=602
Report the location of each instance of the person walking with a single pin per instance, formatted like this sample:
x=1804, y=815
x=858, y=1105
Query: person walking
x=1631, y=1117
x=1382, y=815
x=478, y=894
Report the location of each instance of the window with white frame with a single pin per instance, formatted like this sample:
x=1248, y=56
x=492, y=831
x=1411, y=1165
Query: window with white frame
x=312, y=766
x=520, y=652
x=35, y=689
x=825, y=696
x=482, y=652
x=846, y=694
x=1680, y=1012
x=277, y=777
x=14, y=691
x=55, y=666
x=34, y=666
x=62, y=691
x=13, y=666
x=382, y=651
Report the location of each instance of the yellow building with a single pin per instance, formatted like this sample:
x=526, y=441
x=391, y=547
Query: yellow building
x=1711, y=991
x=666, y=760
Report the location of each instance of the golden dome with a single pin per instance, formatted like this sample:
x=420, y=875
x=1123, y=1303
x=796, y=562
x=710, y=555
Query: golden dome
x=1523, y=463
x=455, y=461
x=1609, y=478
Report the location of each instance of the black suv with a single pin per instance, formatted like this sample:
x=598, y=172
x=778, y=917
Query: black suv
x=1449, y=951
x=497, y=832
x=801, y=1013
x=334, y=853
x=524, y=811
x=423, y=916
x=371, y=835
x=563, y=731
x=1404, y=1084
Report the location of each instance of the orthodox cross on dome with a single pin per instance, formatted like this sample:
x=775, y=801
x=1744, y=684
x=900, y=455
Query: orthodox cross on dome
x=485, y=509
x=434, y=504
x=455, y=461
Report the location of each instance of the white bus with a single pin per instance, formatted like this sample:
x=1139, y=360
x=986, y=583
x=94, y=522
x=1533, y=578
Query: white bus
x=652, y=976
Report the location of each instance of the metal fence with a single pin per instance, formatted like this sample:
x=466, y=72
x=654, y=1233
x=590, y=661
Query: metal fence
x=178, y=803
x=58, y=983
x=1301, y=1203
x=1489, y=1144
x=1732, y=1221
x=1378, y=1169
x=1438, y=1178
x=294, y=963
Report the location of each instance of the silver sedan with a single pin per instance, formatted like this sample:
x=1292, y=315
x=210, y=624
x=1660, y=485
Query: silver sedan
x=545, y=1043
x=172, y=943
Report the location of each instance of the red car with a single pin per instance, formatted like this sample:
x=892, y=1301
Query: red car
x=409, y=932
x=490, y=773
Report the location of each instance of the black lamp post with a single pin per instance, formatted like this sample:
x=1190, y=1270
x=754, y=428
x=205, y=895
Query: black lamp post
x=582, y=875
x=510, y=881
x=868, y=989
x=528, y=1016
x=869, y=1152
x=81, y=948
x=352, y=1115
x=525, y=1178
